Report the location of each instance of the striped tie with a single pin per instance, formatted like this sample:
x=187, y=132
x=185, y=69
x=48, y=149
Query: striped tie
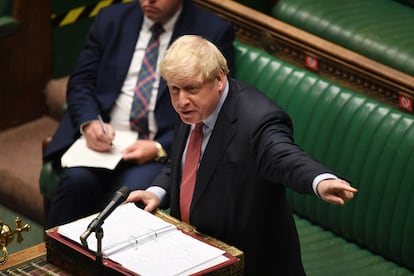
x=142, y=93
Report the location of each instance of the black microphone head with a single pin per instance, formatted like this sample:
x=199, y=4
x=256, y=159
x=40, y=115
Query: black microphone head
x=118, y=198
x=124, y=191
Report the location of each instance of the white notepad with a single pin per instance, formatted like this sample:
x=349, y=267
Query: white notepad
x=79, y=155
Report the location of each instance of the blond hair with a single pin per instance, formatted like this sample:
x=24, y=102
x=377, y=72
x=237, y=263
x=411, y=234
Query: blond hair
x=192, y=56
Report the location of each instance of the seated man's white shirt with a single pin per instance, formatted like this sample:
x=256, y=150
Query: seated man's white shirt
x=122, y=107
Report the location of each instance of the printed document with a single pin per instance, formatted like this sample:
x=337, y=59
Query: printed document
x=79, y=155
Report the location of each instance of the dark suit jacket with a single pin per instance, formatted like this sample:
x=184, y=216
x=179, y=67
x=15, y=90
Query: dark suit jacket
x=239, y=195
x=104, y=63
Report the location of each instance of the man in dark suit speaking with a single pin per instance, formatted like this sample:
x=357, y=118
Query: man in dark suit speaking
x=243, y=157
x=104, y=84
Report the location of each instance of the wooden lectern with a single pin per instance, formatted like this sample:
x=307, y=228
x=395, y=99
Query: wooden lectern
x=75, y=259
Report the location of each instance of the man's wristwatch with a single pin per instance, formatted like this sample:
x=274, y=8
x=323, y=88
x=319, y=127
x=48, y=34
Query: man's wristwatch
x=161, y=154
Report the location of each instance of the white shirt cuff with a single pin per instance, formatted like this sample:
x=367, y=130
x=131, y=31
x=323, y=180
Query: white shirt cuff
x=158, y=191
x=319, y=178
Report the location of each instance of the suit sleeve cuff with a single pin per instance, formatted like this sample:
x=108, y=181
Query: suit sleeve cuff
x=83, y=125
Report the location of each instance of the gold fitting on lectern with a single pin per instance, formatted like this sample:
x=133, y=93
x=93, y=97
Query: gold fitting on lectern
x=7, y=236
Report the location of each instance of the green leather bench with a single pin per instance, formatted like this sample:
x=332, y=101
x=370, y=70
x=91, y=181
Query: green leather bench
x=369, y=143
x=378, y=29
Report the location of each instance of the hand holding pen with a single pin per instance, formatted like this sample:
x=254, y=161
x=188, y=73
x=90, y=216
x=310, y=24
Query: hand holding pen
x=104, y=128
x=104, y=136
x=99, y=135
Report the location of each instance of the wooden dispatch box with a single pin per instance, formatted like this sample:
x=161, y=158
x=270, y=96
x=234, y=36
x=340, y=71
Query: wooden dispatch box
x=75, y=259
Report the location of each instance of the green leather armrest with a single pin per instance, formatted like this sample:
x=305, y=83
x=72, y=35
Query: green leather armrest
x=8, y=25
x=49, y=180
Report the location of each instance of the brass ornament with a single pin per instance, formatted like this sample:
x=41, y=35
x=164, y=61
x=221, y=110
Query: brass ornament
x=7, y=236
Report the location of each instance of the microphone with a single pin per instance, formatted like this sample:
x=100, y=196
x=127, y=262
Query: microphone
x=118, y=198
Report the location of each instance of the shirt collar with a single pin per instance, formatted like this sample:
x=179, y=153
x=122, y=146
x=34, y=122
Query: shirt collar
x=168, y=26
x=211, y=120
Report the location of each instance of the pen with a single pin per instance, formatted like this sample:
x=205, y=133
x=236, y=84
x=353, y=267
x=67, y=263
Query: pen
x=103, y=125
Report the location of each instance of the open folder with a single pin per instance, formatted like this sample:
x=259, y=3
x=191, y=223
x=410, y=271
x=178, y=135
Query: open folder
x=144, y=244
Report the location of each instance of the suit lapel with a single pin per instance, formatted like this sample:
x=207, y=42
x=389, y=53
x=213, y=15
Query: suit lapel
x=128, y=41
x=221, y=137
x=184, y=24
x=179, y=142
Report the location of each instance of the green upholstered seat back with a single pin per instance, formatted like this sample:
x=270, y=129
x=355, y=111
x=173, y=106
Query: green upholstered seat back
x=379, y=29
x=369, y=143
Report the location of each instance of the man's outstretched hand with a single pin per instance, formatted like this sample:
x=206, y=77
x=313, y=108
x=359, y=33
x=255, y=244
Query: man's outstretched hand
x=336, y=191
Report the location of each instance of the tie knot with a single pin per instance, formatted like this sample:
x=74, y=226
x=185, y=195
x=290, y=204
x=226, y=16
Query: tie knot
x=199, y=127
x=156, y=29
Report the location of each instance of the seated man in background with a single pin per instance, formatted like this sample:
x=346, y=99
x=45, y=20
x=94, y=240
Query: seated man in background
x=228, y=178
x=103, y=84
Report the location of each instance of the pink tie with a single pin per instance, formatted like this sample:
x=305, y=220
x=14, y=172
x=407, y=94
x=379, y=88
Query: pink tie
x=188, y=180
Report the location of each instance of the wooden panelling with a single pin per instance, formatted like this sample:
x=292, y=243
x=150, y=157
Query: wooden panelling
x=25, y=60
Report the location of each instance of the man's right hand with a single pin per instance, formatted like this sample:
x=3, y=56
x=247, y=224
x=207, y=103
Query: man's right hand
x=96, y=138
x=149, y=199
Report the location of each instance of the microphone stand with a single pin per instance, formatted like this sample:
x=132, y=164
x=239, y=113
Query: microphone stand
x=96, y=226
x=98, y=258
x=99, y=255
